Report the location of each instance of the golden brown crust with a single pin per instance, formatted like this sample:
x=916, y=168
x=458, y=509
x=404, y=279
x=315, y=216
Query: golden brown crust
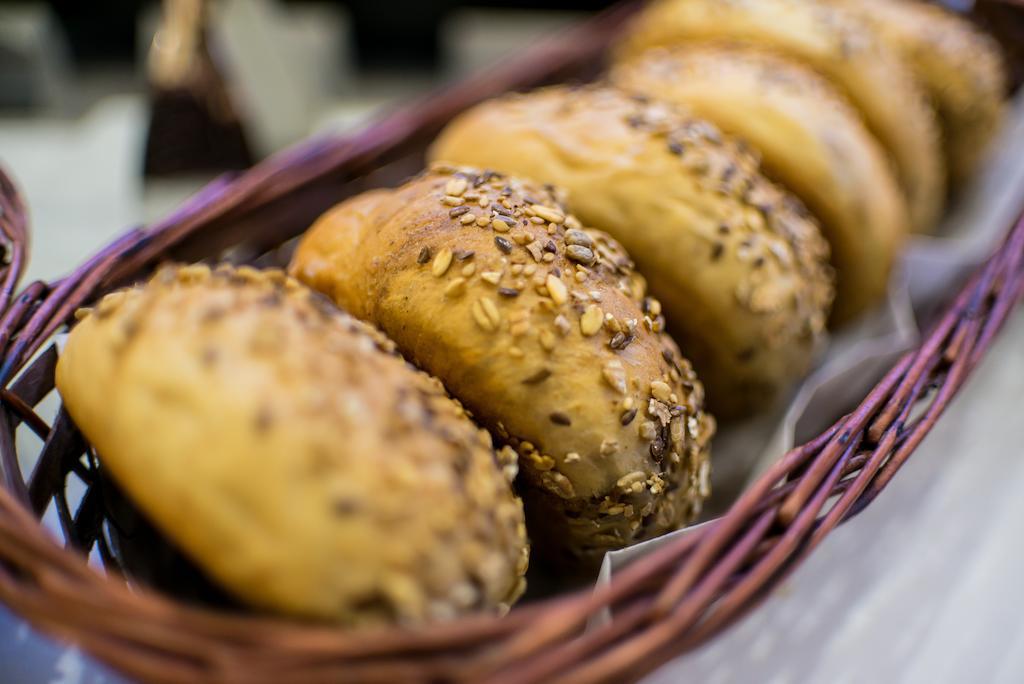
x=542, y=328
x=837, y=44
x=290, y=453
x=960, y=67
x=810, y=140
x=740, y=269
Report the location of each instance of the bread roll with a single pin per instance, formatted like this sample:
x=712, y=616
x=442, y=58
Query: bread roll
x=542, y=328
x=840, y=47
x=810, y=140
x=290, y=454
x=960, y=67
x=741, y=270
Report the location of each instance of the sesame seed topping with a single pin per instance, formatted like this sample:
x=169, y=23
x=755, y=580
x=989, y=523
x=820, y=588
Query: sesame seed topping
x=455, y=187
x=657, y=450
x=519, y=329
x=458, y=211
x=548, y=213
x=559, y=418
x=540, y=461
x=627, y=481
x=591, y=320
x=580, y=254
x=628, y=416
x=463, y=254
x=508, y=292
x=455, y=288
x=441, y=262
x=661, y=391
x=451, y=201
x=559, y=484
x=615, y=375
x=503, y=244
x=424, y=256
x=468, y=270
x=578, y=237
x=466, y=219
x=485, y=313
x=557, y=290
x=535, y=250
x=500, y=225
x=546, y=339
x=538, y=377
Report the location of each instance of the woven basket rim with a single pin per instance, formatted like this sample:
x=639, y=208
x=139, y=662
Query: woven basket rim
x=670, y=601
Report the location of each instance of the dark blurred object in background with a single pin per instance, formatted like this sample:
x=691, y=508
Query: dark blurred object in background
x=390, y=34
x=101, y=31
x=1005, y=22
x=194, y=126
x=19, y=88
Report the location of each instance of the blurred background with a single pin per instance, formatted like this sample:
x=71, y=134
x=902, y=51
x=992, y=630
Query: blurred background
x=60, y=56
x=290, y=67
x=113, y=111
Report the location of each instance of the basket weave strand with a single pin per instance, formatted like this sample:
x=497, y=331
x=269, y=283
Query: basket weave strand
x=663, y=604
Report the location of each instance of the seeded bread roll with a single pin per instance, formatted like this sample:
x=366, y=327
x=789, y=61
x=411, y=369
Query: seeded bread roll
x=960, y=67
x=839, y=46
x=286, y=449
x=740, y=269
x=810, y=140
x=542, y=328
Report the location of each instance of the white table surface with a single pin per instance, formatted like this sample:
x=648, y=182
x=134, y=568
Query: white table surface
x=925, y=586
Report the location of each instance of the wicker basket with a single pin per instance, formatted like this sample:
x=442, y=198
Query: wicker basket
x=666, y=603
